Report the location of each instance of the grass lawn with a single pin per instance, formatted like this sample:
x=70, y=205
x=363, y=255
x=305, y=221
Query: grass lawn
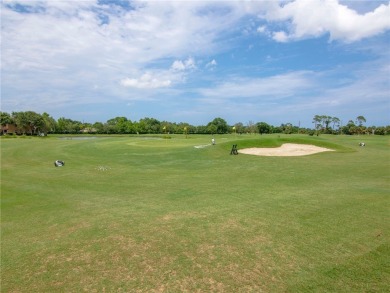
x=146, y=214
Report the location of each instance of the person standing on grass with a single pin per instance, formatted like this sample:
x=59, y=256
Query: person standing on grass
x=213, y=141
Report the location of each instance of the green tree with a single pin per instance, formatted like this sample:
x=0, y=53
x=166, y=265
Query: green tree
x=99, y=127
x=201, y=129
x=181, y=128
x=28, y=122
x=212, y=129
x=350, y=128
x=336, y=122
x=5, y=118
x=240, y=128
x=263, y=127
x=220, y=124
x=327, y=120
x=317, y=121
x=287, y=128
x=49, y=123
x=360, y=120
x=109, y=128
x=21, y=121
x=382, y=130
x=66, y=125
x=35, y=121
x=251, y=127
x=360, y=129
x=169, y=127
x=149, y=125
x=119, y=124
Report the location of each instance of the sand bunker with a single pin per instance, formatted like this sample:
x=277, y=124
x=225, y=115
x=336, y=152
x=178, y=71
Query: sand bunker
x=286, y=150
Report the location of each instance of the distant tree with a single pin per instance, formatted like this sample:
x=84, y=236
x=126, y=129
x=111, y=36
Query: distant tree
x=49, y=123
x=371, y=130
x=5, y=118
x=322, y=123
x=172, y=127
x=36, y=122
x=65, y=125
x=191, y=129
x=149, y=125
x=251, y=127
x=119, y=124
x=109, y=128
x=183, y=128
x=201, y=129
x=336, y=122
x=218, y=125
x=62, y=125
x=277, y=129
x=240, y=128
x=87, y=128
x=287, y=128
x=382, y=130
x=294, y=129
x=21, y=121
x=360, y=120
x=263, y=127
x=212, y=129
x=131, y=127
x=349, y=128
x=99, y=127
x=28, y=122
x=166, y=127
x=317, y=121
x=327, y=120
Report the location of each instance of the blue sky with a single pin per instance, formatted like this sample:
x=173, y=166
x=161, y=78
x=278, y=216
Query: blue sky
x=192, y=61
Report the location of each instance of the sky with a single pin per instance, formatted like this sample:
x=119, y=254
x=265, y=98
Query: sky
x=192, y=61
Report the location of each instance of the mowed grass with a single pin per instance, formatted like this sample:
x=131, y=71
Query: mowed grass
x=145, y=214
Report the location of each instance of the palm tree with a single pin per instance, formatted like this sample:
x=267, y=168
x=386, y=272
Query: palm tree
x=317, y=122
x=335, y=121
x=360, y=120
x=327, y=120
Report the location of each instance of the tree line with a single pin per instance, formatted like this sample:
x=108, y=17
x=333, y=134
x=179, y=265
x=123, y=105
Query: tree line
x=333, y=125
x=32, y=123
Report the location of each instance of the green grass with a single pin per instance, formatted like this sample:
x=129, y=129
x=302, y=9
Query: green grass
x=163, y=216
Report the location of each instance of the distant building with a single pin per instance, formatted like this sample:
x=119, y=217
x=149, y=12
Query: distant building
x=88, y=130
x=13, y=129
x=9, y=129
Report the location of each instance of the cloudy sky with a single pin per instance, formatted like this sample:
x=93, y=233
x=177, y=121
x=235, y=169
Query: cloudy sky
x=192, y=61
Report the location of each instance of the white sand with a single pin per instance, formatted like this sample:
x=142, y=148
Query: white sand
x=286, y=150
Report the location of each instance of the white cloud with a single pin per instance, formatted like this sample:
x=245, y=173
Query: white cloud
x=62, y=32
x=280, y=36
x=179, y=65
x=58, y=51
x=146, y=81
x=212, y=64
x=305, y=93
x=262, y=29
x=190, y=63
x=314, y=18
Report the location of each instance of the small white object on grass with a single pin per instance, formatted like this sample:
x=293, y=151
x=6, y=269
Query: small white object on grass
x=102, y=168
x=59, y=163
